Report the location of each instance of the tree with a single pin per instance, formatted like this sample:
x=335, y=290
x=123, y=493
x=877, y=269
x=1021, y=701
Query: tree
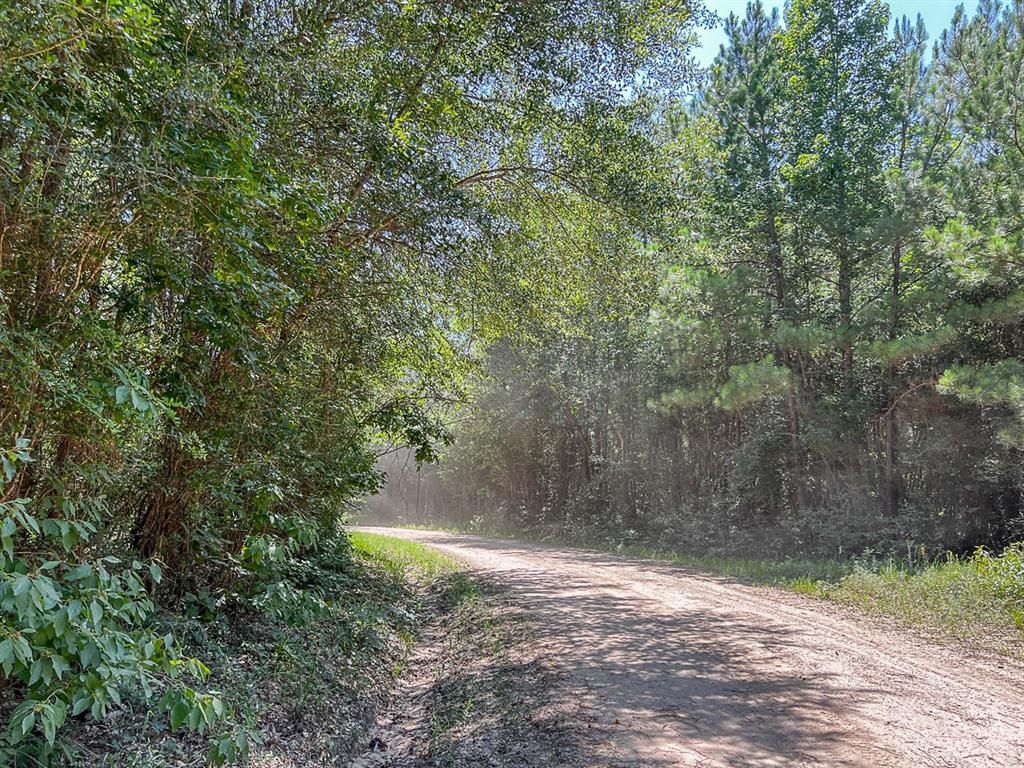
x=831, y=360
x=241, y=245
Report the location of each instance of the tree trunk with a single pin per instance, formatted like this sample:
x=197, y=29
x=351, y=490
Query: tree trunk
x=890, y=427
x=161, y=525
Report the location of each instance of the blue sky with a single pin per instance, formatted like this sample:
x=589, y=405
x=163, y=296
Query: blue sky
x=936, y=14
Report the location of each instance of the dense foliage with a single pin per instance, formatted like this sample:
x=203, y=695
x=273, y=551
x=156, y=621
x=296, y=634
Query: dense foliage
x=242, y=245
x=832, y=357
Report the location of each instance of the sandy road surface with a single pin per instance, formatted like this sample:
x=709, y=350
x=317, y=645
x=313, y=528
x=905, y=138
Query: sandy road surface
x=685, y=669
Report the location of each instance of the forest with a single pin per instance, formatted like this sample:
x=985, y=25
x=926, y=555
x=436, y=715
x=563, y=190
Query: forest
x=526, y=262
x=822, y=350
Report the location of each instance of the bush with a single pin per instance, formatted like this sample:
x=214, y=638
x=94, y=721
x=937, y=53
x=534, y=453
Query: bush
x=76, y=635
x=1004, y=573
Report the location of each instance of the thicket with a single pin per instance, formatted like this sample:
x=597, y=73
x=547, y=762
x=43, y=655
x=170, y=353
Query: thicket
x=826, y=354
x=243, y=245
x=300, y=692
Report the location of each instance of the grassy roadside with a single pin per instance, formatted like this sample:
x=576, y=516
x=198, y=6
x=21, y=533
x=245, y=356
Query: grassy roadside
x=308, y=692
x=398, y=557
x=476, y=691
x=442, y=583
x=977, y=600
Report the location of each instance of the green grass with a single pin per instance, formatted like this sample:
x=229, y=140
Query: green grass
x=399, y=554
x=792, y=573
x=447, y=577
x=978, y=600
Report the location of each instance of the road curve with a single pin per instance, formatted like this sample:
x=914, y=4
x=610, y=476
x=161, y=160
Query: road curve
x=685, y=669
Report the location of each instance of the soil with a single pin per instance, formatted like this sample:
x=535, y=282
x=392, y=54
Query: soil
x=659, y=666
x=476, y=692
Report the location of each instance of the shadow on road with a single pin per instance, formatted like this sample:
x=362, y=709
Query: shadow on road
x=672, y=686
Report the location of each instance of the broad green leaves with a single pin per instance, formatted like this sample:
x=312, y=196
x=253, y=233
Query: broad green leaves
x=76, y=636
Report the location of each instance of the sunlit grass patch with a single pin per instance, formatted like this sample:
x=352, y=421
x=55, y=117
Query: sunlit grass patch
x=399, y=554
x=975, y=599
x=448, y=577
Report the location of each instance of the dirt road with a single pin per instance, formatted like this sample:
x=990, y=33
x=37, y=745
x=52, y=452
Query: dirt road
x=678, y=668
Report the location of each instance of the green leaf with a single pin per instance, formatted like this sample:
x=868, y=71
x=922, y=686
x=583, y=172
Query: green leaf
x=6, y=655
x=60, y=622
x=48, y=721
x=96, y=612
x=60, y=665
x=89, y=656
x=22, y=584
x=60, y=712
x=30, y=522
x=27, y=723
x=36, y=672
x=179, y=713
x=79, y=572
x=140, y=403
x=242, y=742
x=22, y=650
x=81, y=703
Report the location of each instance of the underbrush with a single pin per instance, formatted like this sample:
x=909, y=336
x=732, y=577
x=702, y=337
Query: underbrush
x=977, y=599
x=303, y=692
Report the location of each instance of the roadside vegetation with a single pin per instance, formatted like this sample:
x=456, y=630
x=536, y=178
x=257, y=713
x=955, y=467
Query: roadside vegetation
x=316, y=692
x=303, y=691
x=477, y=689
x=977, y=599
x=397, y=556
x=829, y=359
x=823, y=382
x=246, y=247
